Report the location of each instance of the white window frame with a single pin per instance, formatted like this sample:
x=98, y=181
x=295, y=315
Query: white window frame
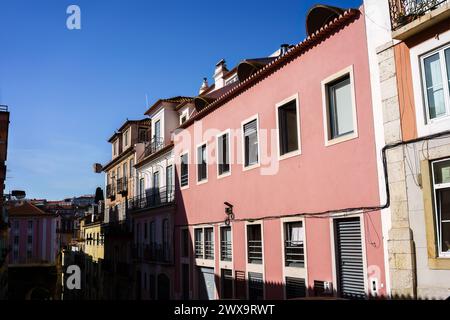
x=251, y=267
x=243, y=123
x=197, y=163
x=225, y=264
x=438, y=229
x=189, y=169
x=440, y=124
x=442, y=60
x=227, y=174
x=326, y=107
x=299, y=147
x=202, y=262
x=126, y=138
x=184, y=114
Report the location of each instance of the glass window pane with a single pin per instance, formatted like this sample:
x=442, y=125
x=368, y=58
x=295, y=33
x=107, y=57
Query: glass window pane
x=447, y=59
x=287, y=122
x=251, y=143
x=223, y=154
x=434, y=86
x=341, y=110
x=443, y=204
x=184, y=170
x=442, y=172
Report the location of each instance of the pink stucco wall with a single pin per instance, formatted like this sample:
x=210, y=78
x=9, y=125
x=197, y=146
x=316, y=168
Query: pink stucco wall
x=321, y=178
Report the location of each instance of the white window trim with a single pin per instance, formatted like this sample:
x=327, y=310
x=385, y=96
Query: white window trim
x=333, y=241
x=199, y=262
x=290, y=271
x=424, y=127
x=439, y=51
x=126, y=142
x=243, y=123
x=250, y=267
x=196, y=163
x=189, y=170
x=227, y=174
x=225, y=264
x=325, y=105
x=277, y=106
x=185, y=113
x=441, y=254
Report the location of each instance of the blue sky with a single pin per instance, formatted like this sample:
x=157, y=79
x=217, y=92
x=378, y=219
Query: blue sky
x=68, y=90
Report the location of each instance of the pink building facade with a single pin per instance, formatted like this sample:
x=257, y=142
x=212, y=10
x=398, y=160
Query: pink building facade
x=265, y=167
x=33, y=237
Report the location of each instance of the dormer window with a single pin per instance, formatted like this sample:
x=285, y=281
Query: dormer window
x=116, y=148
x=142, y=135
x=184, y=116
x=126, y=139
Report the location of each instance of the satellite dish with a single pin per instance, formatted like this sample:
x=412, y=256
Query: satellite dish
x=18, y=194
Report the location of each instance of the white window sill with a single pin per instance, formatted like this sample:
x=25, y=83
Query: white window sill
x=289, y=155
x=342, y=139
x=252, y=167
x=224, y=175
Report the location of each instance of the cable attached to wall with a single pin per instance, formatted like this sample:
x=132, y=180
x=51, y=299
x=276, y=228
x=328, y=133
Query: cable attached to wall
x=346, y=211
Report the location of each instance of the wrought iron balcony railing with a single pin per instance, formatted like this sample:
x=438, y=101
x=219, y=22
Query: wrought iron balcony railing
x=294, y=254
x=156, y=144
x=110, y=191
x=406, y=11
x=226, y=252
x=153, y=253
x=122, y=186
x=254, y=251
x=153, y=198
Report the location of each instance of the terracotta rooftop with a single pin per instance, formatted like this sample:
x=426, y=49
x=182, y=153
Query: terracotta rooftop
x=26, y=209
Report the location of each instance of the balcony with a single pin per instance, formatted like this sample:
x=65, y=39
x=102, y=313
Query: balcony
x=153, y=198
x=294, y=254
x=254, y=251
x=153, y=253
x=110, y=191
x=122, y=186
x=155, y=145
x=423, y=13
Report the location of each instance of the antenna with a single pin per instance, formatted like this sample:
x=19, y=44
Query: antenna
x=146, y=100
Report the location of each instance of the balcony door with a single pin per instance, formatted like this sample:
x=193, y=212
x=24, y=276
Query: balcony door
x=157, y=132
x=155, y=193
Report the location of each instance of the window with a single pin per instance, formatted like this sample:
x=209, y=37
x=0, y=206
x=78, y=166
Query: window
x=30, y=225
x=16, y=240
x=145, y=231
x=183, y=118
x=185, y=243
x=226, y=284
x=125, y=170
x=295, y=288
x=436, y=80
x=288, y=127
x=294, y=255
x=251, y=149
x=30, y=239
x=142, y=135
x=157, y=132
x=340, y=107
x=223, y=154
x=116, y=147
x=198, y=233
x=142, y=187
x=29, y=254
x=165, y=238
x=254, y=244
x=131, y=168
x=204, y=243
x=441, y=186
x=226, y=253
x=255, y=286
x=202, y=174
x=98, y=238
x=152, y=233
x=169, y=182
x=125, y=138
x=184, y=179
x=209, y=244
x=16, y=225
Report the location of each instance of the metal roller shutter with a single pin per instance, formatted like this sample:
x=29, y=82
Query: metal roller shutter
x=350, y=258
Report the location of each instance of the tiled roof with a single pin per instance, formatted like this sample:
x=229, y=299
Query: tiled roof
x=276, y=64
x=26, y=209
x=177, y=100
x=145, y=121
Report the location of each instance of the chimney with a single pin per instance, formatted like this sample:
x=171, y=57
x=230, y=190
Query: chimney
x=219, y=74
x=204, y=86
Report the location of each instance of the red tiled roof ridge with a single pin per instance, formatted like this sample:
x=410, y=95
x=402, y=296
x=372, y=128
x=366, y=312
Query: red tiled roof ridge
x=349, y=13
